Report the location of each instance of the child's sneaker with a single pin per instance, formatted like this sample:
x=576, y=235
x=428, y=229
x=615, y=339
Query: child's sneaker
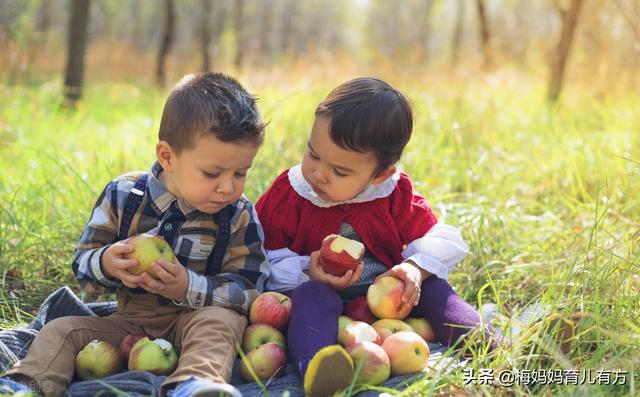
x=204, y=388
x=329, y=371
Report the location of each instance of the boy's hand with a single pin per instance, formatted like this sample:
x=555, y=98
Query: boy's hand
x=413, y=276
x=114, y=265
x=316, y=272
x=173, y=280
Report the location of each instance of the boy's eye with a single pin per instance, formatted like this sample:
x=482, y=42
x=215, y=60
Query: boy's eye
x=241, y=174
x=338, y=173
x=210, y=175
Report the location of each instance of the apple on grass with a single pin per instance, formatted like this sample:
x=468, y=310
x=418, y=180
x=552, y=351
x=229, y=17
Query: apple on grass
x=97, y=360
x=388, y=326
x=268, y=360
x=422, y=328
x=373, y=361
x=149, y=248
x=358, y=309
x=127, y=344
x=271, y=308
x=357, y=331
x=258, y=334
x=340, y=254
x=407, y=351
x=156, y=356
x=384, y=297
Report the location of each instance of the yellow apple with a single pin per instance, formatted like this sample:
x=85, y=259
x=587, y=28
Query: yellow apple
x=149, y=248
x=407, y=351
x=389, y=326
x=385, y=298
x=422, y=328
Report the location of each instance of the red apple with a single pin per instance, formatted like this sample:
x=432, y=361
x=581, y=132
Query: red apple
x=422, y=328
x=358, y=309
x=339, y=254
x=389, y=326
x=267, y=361
x=384, y=297
x=271, y=308
x=375, y=367
x=357, y=331
x=407, y=351
x=259, y=334
x=126, y=345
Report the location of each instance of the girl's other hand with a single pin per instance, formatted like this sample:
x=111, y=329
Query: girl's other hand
x=316, y=272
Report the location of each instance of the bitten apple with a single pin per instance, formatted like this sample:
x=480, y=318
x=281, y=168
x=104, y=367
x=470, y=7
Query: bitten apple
x=149, y=248
x=340, y=254
x=358, y=309
x=271, y=308
x=97, y=360
x=375, y=367
x=407, y=351
x=357, y=331
x=126, y=345
x=389, y=326
x=268, y=360
x=384, y=297
x=259, y=334
x=343, y=321
x=422, y=328
x=156, y=356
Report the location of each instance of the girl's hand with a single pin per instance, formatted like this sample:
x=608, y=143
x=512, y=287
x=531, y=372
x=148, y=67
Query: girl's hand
x=316, y=272
x=413, y=276
x=173, y=280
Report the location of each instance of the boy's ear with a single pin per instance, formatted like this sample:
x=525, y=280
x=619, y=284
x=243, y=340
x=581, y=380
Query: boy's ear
x=383, y=175
x=165, y=154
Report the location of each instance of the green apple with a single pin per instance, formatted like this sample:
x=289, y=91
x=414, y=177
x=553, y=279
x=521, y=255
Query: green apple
x=384, y=297
x=259, y=334
x=149, y=248
x=388, y=326
x=343, y=321
x=357, y=331
x=407, y=351
x=268, y=360
x=97, y=360
x=156, y=356
x=375, y=367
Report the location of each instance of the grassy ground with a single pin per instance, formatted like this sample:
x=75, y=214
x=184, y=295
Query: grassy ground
x=546, y=197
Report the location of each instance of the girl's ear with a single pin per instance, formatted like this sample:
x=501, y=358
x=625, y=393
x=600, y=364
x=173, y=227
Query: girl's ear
x=165, y=154
x=383, y=175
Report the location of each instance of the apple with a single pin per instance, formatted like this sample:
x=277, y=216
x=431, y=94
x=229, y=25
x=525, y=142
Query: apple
x=358, y=309
x=384, y=297
x=389, y=326
x=343, y=321
x=259, y=334
x=156, y=356
x=422, y=328
x=271, y=308
x=340, y=254
x=126, y=345
x=357, y=331
x=149, y=248
x=267, y=361
x=374, y=363
x=407, y=351
x=97, y=360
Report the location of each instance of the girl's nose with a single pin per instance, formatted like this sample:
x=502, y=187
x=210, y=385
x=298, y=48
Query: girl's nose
x=320, y=177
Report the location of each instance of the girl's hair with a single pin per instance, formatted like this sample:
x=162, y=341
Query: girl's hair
x=368, y=115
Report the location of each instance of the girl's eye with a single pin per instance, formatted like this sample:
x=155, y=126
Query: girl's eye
x=338, y=173
x=313, y=156
x=210, y=175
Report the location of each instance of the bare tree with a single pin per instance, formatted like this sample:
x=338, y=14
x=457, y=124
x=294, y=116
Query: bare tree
x=205, y=33
x=167, y=41
x=485, y=34
x=77, y=40
x=240, y=33
x=569, y=19
x=457, y=33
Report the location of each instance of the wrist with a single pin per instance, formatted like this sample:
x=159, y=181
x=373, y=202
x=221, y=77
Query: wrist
x=424, y=274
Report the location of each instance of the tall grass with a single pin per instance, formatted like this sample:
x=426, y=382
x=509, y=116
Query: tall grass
x=545, y=196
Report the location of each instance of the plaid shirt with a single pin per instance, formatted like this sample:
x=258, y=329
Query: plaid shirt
x=244, y=268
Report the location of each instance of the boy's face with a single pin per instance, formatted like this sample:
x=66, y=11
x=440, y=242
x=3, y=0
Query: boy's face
x=334, y=173
x=210, y=174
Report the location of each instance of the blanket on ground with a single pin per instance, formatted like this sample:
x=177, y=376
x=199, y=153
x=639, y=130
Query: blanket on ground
x=14, y=344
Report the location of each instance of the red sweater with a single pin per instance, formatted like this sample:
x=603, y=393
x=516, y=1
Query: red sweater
x=385, y=225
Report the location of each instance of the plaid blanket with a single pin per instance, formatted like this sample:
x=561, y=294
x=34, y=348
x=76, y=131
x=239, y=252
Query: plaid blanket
x=15, y=343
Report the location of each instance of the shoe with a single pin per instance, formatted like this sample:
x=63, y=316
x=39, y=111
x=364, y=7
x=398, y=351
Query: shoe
x=203, y=388
x=9, y=387
x=329, y=371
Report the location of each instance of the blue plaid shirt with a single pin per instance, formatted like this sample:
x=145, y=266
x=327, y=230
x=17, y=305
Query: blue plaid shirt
x=244, y=267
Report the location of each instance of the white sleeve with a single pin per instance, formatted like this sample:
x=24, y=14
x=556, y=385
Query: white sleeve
x=286, y=269
x=438, y=250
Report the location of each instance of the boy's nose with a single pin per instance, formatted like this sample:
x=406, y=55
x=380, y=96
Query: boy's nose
x=225, y=187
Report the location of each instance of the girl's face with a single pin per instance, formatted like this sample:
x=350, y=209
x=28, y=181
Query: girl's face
x=334, y=173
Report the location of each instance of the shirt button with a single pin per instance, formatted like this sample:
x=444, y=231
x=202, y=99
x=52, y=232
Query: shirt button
x=168, y=227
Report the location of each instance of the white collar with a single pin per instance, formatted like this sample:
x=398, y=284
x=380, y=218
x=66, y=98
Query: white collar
x=372, y=192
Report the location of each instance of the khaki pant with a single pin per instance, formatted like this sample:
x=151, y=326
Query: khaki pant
x=205, y=339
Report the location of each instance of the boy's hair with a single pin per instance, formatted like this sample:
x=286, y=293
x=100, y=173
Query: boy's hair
x=368, y=115
x=210, y=103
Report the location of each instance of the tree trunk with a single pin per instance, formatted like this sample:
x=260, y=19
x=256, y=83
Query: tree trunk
x=77, y=40
x=457, y=33
x=569, y=21
x=43, y=17
x=167, y=41
x=239, y=26
x=265, y=29
x=485, y=35
x=205, y=34
x=424, y=16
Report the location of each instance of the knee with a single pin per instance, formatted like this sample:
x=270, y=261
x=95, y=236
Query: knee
x=59, y=326
x=317, y=294
x=221, y=318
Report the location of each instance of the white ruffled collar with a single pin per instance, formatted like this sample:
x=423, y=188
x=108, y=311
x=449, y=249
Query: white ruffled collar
x=372, y=192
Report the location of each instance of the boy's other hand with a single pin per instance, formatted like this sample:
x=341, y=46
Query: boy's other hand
x=412, y=276
x=172, y=283
x=316, y=272
x=114, y=265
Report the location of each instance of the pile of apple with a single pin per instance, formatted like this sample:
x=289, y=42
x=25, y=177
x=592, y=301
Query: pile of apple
x=137, y=352
x=263, y=341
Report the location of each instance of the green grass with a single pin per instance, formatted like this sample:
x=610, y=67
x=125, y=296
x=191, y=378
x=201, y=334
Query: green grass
x=546, y=197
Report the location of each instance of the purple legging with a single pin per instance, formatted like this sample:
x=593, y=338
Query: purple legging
x=316, y=308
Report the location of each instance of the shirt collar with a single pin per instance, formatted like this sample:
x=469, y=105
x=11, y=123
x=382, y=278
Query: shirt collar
x=160, y=196
x=372, y=192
